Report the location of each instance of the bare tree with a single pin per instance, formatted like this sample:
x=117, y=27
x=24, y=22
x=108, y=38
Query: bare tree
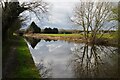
x=36, y=7
x=11, y=11
x=92, y=16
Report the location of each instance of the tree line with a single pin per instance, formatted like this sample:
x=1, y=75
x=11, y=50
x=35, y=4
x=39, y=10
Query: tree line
x=46, y=31
x=33, y=28
x=50, y=30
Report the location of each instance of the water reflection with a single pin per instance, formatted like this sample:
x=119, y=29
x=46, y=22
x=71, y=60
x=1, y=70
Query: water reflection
x=32, y=41
x=95, y=62
x=62, y=59
x=47, y=40
x=45, y=70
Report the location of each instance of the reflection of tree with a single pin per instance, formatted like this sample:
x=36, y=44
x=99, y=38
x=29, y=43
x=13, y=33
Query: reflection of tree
x=45, y=70
x=32, y=41
x=94, y=61
x=47, y=40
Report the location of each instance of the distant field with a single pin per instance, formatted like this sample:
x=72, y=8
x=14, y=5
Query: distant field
x=106, y=35
x=72, y=35
x=107, y=38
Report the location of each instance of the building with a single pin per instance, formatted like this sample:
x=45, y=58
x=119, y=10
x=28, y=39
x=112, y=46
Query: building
x=33, y=28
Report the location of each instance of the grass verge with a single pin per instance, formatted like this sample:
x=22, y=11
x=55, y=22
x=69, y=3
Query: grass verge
x=18, y=62
x=26, y=67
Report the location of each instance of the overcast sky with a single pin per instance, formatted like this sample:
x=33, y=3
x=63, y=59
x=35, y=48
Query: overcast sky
x=59, y=14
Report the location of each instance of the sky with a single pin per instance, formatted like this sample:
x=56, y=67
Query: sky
x=59, y=14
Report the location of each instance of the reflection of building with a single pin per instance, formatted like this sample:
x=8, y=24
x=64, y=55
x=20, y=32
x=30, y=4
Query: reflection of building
x=47, y=40
x=32, y=41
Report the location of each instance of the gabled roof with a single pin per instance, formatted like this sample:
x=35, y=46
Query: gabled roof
x=33, y=25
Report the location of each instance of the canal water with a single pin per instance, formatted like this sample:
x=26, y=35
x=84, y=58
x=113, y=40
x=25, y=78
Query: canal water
x=61, y=59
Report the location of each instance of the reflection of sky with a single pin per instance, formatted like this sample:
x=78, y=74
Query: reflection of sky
x=56, y=53
x=60, y=54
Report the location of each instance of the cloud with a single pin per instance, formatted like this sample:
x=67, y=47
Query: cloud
x=61, y=1
x=59, y=15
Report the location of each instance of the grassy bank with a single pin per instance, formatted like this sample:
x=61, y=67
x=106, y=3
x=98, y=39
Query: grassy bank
x=107, y=35
x=107, y=38
x=64, y=35
x=18, y=62
x=26, y=67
